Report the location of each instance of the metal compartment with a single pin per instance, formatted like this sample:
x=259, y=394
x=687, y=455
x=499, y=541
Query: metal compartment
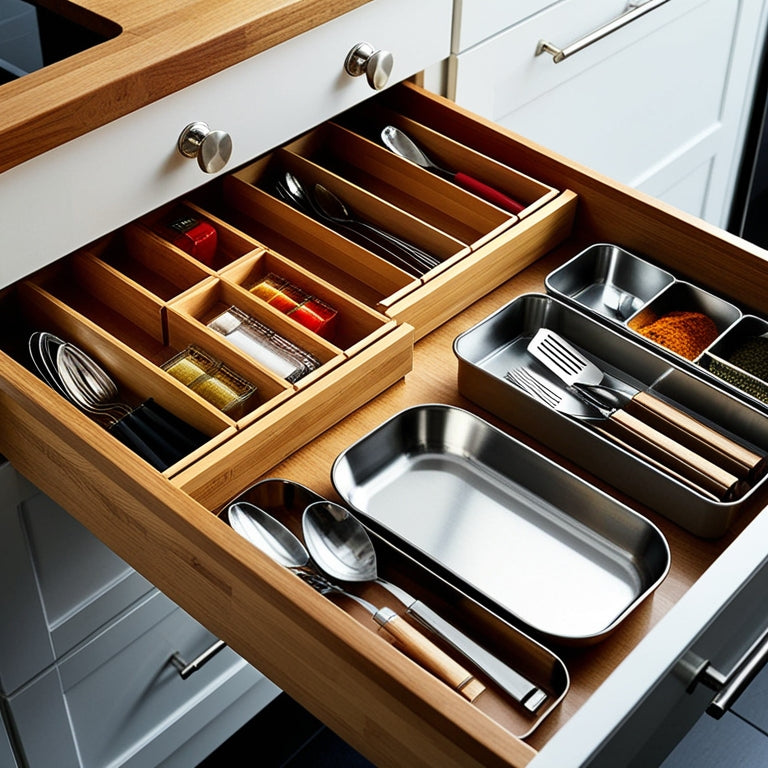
x=609, y=280
x=531, y=540
x=732, y=360
x=498, y=344
x=603, y=275
x=286, y=500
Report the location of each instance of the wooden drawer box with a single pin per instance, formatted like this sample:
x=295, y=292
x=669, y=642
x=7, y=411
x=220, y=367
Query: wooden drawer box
x=166, y=526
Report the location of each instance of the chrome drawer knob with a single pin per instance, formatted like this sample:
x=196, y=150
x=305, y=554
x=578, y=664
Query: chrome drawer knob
x=375, y=65
x=211, y=148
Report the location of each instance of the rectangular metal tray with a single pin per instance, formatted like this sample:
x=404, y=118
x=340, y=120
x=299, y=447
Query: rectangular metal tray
x=498, y=343
x=286, y=500
x=531, y=540
x=596, y=279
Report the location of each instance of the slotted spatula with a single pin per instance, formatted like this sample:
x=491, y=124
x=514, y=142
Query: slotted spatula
x=573, y=368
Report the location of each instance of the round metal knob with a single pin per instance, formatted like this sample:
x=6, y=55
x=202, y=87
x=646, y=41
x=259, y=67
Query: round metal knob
x=375, y=65
x=211, y=148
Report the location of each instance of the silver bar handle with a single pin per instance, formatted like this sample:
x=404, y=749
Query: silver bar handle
x=729, y=686
x=633, y=11
x=185, y=669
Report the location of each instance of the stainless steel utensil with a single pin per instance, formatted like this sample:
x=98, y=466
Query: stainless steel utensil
x=635, y=437
x=88, y=385
x=622, y=303
x=340, y=546
x=576, y=370
x=291, y=190
x=336, y=210
x=275, y=540
x=401, y=144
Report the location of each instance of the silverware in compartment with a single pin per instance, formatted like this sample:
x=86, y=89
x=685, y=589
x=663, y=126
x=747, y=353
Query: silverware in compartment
x=499, y=344
x=287, y=500
x=524, y=536
x=608, y=280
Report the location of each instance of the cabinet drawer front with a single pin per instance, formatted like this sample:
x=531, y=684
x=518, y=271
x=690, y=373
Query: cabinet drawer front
x=277, y=94
x=384, y=704
x=601, y=105
x=477, y=20
x=123, y=696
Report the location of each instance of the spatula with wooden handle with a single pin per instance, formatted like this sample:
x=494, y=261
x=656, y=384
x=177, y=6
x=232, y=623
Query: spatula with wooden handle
x=638, y=438
x=572, y=367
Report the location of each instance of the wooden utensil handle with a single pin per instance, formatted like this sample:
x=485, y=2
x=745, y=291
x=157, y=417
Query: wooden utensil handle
x=420, y=649
x=699, y=437
x=677, y=457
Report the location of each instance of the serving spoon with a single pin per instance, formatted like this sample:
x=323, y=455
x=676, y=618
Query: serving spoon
x=340, y=545
x=403, y=145
x=274, y=539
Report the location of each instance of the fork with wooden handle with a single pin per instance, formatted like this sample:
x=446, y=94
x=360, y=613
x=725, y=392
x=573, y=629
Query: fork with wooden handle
x=638, y=438
x=576, y=370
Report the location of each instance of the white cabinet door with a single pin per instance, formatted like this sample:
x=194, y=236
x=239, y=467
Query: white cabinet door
x=118, y=701
x=658, y=104
x=66, y=583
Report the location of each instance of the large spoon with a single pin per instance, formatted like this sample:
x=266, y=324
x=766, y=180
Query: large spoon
x=402, y=144
x=291, y=190
x=336, y=210
x=340, y=545
x=270, y=536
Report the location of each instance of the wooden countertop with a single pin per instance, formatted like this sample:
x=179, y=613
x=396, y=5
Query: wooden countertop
x=163, y=47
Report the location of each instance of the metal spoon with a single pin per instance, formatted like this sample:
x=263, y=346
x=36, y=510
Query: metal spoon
x=335, y=209
x=290, y=189
x=275, y=540
x=402, y=144
x=340, y=545
x=623, y=303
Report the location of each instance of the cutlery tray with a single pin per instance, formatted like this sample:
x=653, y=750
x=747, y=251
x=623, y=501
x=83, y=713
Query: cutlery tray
x=530, y=540
x=163, y=285
x=477, y=244
x=735, y=355
x=496, y=345
x=286, y=500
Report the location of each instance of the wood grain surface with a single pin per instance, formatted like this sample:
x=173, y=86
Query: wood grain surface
x=162, y=48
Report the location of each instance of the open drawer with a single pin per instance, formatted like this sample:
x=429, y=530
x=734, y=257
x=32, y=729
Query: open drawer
x=166, y=524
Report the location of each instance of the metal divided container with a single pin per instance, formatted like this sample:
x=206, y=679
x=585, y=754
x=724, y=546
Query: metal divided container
x=499, y=343
x=529, y=539
x=625, y=290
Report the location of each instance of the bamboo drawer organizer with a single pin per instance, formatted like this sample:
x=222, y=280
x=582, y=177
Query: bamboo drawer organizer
x=133, y=299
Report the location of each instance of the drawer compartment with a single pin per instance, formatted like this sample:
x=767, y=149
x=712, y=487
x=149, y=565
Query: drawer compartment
x=166, y=525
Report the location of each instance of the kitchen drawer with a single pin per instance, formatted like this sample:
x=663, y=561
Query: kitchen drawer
x=167, y=526
x=66, y=584
x=682, y=150
x=118, y=700
x=140, y=149
x=477, y=20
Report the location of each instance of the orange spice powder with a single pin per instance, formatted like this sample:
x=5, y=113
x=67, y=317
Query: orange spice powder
x=686, y=333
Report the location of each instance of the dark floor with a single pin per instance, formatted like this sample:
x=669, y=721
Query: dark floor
x=284, y=735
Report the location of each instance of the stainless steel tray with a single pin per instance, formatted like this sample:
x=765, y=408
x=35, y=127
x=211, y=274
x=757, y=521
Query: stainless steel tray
x=286, y=500
x=596, y=280
x=498, y=343
x=531, y=540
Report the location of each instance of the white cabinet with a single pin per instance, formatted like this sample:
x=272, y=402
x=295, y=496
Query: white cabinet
x=139, y=167
x=659, y=104
x=86, y=678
